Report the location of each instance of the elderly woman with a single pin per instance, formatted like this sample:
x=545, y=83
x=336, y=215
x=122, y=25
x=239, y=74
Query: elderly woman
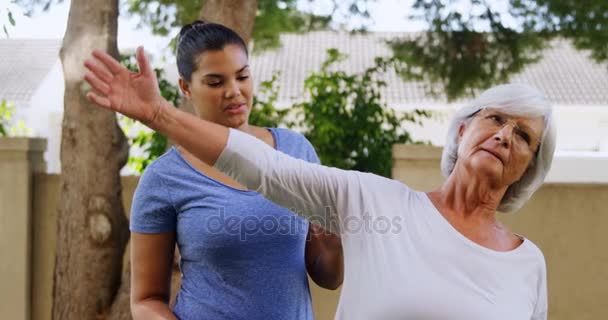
x=408, y=254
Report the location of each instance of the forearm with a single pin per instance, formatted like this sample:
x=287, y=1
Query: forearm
x=153, y=309
x=204, y=139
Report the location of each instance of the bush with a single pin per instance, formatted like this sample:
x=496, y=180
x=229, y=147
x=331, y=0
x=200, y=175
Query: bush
x=7, y=125
x=6, y=114
x=346, y=121
x=265, y=113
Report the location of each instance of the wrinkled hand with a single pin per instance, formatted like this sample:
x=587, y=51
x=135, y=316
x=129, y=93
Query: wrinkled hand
x=136, y=95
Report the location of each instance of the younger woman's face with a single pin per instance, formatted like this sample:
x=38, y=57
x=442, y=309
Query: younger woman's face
x=221, y=88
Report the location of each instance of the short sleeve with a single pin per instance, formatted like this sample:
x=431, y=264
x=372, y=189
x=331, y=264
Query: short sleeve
x=152, y=210
x=311, y=154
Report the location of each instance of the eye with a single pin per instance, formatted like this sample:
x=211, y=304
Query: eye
x=523, y=135
x=243, y=78
x=215, y=84
x=496, y=118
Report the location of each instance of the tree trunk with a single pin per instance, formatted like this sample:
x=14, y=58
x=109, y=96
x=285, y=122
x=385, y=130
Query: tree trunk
x=238, y=15
x=121, y=308
x=92, y=226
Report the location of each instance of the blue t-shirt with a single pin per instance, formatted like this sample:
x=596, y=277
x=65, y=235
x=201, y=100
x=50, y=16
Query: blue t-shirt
x=242, y=256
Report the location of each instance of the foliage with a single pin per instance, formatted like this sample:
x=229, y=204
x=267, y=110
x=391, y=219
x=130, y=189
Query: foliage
x=583, y=22
x=453, y=52
x=460, y=58
x=473, y=44
x=10, y=18
x=7, y=126
x=265, y=113
x=146, y=145
x=273, y=17
x=346, y=121
x=6, y=114
x=32, y=5
x=343, y=116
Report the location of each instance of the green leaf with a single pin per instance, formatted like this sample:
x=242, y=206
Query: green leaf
x=11, y=19
x=346, y=120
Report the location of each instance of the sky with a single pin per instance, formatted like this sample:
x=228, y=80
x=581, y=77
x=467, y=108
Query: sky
x=388, y=15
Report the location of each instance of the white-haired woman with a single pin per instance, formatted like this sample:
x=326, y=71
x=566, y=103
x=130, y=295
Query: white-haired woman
x=408, y=254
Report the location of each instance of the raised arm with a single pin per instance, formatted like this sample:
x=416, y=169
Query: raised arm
x=137, y=96
x=311, y=190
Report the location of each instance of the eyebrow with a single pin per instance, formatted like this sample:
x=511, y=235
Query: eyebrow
x=526, y=129
x=215, y=75
x=522, y=126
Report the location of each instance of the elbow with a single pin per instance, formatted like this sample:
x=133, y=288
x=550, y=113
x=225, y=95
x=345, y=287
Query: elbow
x=333, y=285
x=324, y=258
x=329, y=282
x=327, y=274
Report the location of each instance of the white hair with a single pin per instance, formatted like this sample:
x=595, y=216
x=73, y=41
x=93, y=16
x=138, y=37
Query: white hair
x=518, y=100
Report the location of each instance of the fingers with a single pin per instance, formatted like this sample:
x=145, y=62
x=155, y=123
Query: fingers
x=108, y=61
x=99, y=72
x=104, y=102
x=97, y=84
x=143, y=62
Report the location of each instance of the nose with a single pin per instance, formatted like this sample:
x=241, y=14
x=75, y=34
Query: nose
x=504, y=136
x=232, y=90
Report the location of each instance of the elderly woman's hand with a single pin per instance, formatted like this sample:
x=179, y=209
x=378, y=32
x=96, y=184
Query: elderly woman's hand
x=136, y=95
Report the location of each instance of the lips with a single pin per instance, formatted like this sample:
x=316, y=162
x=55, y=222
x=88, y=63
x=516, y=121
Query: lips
x=495, y=154
x=234, y=106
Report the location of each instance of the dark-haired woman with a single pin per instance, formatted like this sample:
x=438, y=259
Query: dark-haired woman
x=242, y=256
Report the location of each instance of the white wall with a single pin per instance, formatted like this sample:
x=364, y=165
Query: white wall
x=45, y=113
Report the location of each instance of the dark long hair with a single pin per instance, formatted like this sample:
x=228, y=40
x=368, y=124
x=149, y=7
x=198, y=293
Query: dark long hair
x=198, y=37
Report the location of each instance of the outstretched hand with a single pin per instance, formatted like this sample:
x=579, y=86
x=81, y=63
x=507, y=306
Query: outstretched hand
x=136, y=95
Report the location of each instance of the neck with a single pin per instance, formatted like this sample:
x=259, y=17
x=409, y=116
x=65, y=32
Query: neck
x=247, y=128
x=468, y=198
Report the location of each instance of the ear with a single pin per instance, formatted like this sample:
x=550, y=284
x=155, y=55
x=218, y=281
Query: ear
x=461, y=131
x=185, y=88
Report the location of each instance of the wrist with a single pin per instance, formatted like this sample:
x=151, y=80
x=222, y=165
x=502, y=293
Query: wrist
x=162, y=116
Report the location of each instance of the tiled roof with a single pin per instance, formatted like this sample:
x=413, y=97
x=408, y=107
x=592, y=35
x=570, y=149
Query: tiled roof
x=565, y=75
x=24, y=63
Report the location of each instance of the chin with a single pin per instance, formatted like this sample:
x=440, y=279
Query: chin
x=487, y=170
x=237, y=122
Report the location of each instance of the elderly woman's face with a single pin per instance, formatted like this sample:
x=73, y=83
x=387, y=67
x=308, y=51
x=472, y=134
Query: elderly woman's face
x=498, y=146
